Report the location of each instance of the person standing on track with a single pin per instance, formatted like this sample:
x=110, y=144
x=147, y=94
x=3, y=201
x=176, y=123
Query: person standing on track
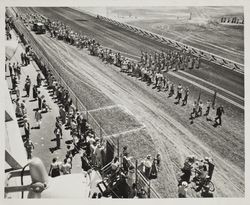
x=194, y=112
x=199, y=112
x=179, y=93
x=207, y=113
x=184, y=101
x=211, y=165
x=219, y=112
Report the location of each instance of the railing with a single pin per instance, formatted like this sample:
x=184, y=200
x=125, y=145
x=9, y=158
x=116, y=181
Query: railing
x=42, y=59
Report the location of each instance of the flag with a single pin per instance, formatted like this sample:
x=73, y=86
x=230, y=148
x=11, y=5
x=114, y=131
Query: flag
x=214, y=97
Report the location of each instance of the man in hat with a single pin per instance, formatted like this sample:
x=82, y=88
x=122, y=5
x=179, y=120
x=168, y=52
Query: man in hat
x=38, y=117
x=39, y=97
x=27, y=85
x=11, y=70
x=182, y=190
x=29, y=148
x=57, y=133
x=186, y=94
x=205, y=193
x=147, y=165
x=219, y=112
x=26, y=128
x=211, y=165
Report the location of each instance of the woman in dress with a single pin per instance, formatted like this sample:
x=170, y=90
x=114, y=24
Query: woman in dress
x=19, y=112
x=34, y=92
x=54, y=168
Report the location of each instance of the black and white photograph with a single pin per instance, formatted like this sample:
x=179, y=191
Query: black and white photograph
x=124, y=102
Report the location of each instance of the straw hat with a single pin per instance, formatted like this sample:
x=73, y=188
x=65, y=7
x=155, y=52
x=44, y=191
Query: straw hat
x=185, y=184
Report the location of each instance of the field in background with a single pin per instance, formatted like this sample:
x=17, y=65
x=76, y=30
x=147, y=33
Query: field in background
x=195, y=26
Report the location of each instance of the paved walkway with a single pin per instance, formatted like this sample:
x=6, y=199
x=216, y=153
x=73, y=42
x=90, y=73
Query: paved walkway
x=42, y=137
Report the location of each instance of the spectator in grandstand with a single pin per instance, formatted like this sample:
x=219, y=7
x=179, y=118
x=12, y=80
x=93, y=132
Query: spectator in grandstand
x=39, y=97
x=54, y=170
x=99, y=152
x=23, y=107
x=142, y=194
x=17, y=93
x=27, y=85
x=94, y=196
x=182, y=190
x=205, y=192
x=130, y=177
x=14, y=82
x=45, y=106
x=133, y=193
x=38, y=117
x=39, y=80
x=153, y=170
x=125, y=150
x=57, y=137
x=66, y=167
x=158, y=161
x=115, y=165
x=187, y=168
x=29, y=148
x=85, y=163
x=26, y=128
x=200, y=178
x=58, y=124
x=62, y=114
x=34, y=89
x=23, y=58
x=125, y=162
x=219, y=113
x=14, y=68
x=19, y=112
x=211, y=165
x=10, y=70
x=147, y=164
x=18, y=71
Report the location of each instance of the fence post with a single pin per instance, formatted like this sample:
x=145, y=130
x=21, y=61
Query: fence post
x=118, y=148
x=100, y=132
x=149, y=188
x=136, y=172
x=76, y=103
x=87, y=115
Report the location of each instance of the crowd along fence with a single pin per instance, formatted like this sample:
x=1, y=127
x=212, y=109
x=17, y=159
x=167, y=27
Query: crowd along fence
x=42, y=59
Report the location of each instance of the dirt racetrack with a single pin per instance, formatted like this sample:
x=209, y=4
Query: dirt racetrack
x=167, y=124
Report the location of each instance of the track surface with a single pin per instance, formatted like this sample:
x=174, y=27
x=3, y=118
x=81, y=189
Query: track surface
x=125, y=41
x=167, y=123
